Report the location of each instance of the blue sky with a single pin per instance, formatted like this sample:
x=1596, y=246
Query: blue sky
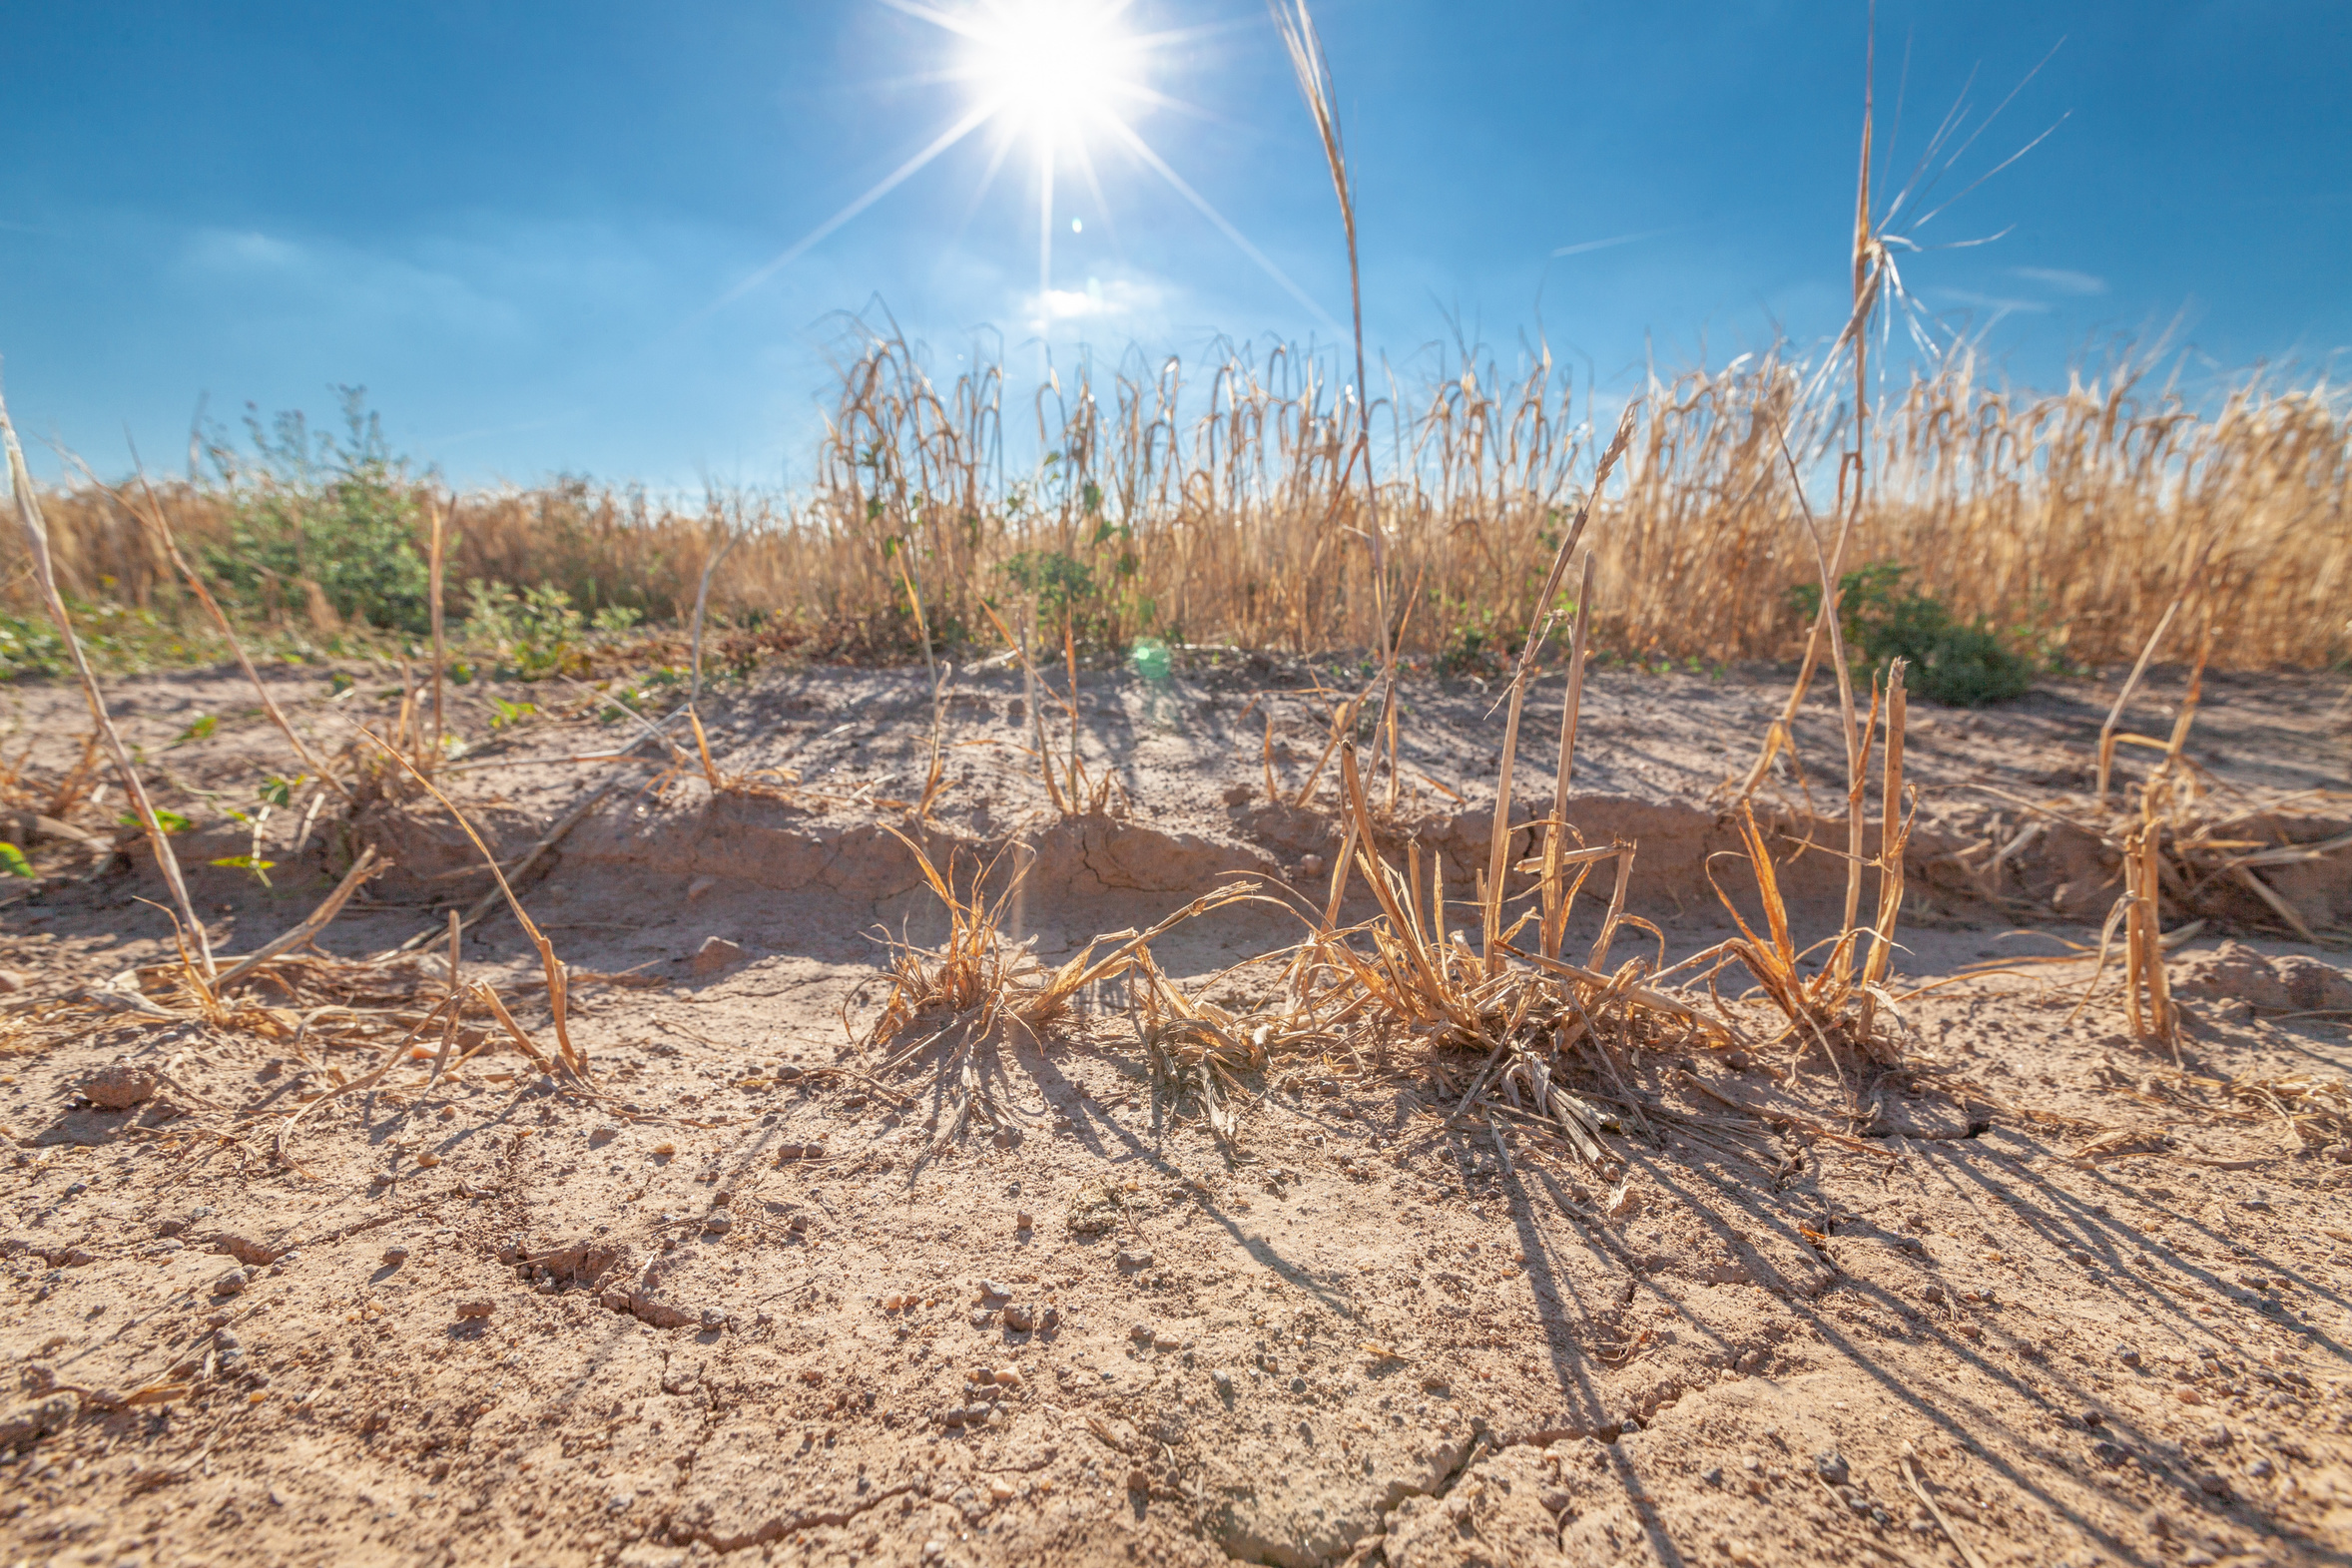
x=525, y=227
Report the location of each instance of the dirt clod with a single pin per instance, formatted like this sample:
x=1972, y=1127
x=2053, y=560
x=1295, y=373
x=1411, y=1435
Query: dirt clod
x=120, y=1085
x=715, y=954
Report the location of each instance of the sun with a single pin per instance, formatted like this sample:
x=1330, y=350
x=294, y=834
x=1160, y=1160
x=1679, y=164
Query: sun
x=1053, y=67
x=1064, y=76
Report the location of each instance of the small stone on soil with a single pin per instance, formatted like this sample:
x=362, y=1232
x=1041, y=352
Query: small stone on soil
x=477, y=1308
x=715, y=954
x=120, y=1085
x=231, y=1283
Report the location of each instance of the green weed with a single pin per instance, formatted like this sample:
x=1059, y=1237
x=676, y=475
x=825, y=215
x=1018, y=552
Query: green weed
x=1962, y=664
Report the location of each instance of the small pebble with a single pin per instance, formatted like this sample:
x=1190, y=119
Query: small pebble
x=713, y=1318
x=1831, y=1466
x=1022, y=1221
x=395, y=1255
x=719, y=1222
x=1223, y=1379
x=1135, y=1260
x=231, y=1283
x=2128, y=1355
x=1141, y=1333
x=981, y=1317
x=992, y=1288
x=1020, y=1320
x=477, y=1308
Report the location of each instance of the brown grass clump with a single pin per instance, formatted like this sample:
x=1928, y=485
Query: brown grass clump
x=978, y=991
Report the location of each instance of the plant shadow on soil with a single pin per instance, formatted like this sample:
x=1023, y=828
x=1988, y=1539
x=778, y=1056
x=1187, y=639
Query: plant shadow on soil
x=1357, y=1331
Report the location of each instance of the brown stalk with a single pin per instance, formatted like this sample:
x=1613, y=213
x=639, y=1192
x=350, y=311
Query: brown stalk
x=1557, y=899
x=702, y=746
x=433, y=608
x=2106, y=732
x=559, y=987
x=1498, y=836
x=36, y=532
x=1892, y=829
x=1781, y=734
x=1031, y=686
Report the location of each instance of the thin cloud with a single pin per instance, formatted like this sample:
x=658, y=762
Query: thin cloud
x=1585, y=247
x=2062, y=281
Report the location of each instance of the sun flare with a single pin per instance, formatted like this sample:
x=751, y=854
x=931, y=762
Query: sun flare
x=1050, y=66
x=1066, y=77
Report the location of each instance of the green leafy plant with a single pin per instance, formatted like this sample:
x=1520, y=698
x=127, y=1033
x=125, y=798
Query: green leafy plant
x=1476, y=643
x=1963, y=663
x=318, y=509
x=29, y=647
x=509, y=713
x=171, y=822
x=276, y=790
x=13, y=861
x=200, y=729
x=537, y=630
x=248, y=863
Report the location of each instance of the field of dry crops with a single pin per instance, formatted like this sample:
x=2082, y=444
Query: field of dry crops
x=1227, y=504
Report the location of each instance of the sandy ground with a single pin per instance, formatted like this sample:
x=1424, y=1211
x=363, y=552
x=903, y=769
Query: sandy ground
x=2042, y=1295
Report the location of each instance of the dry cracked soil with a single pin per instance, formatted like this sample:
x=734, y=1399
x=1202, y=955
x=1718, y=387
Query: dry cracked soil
x=2043, y=1294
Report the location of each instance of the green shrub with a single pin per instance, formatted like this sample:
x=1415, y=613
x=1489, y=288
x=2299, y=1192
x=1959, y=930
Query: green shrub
x=334, y=511
x=1963, y=663
x=29, y=647
x=537, y=631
